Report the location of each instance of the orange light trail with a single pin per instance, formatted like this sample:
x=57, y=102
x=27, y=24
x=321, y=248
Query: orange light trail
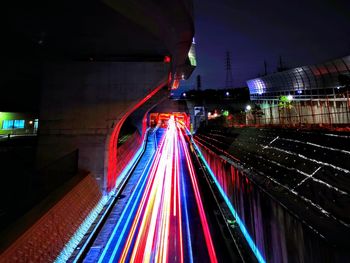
x=155, y=227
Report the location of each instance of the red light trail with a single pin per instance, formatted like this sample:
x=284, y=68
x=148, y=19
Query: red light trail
x=157, y=225
x=113, y=141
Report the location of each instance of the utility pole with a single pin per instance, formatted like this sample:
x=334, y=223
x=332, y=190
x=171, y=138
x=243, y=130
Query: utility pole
x=229, y=81
x=265, y=68
x=199, y=83
x=280, y=66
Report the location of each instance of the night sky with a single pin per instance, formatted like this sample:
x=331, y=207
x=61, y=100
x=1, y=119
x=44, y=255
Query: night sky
x=301, y=31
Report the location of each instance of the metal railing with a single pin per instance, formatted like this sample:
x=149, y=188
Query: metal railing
x=327, y=113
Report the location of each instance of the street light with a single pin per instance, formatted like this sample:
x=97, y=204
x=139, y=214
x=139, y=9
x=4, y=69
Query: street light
x=289, y=97
x=248, y=108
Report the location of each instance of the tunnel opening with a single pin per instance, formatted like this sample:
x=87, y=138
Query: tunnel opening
x=128, y=135
x=161, y=119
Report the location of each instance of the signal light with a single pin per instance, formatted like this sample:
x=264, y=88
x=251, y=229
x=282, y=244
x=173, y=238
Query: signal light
x=167, y=59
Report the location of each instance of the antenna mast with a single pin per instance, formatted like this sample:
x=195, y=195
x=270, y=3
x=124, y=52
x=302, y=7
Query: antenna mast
x=229, y=81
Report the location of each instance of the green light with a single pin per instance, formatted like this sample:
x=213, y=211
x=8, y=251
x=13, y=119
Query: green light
x=285, y=101
x=193, y=61
x=225, y=113
x=192, y=56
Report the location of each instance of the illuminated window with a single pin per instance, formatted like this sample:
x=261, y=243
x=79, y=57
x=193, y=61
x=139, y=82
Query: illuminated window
x=36, y=124
x=7, y=125
x=12, y=124
x=18, y=124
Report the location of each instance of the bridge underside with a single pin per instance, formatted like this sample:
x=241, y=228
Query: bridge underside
x=93, y=64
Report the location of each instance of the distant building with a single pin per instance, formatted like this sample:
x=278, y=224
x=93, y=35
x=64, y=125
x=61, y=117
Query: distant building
x=314, y=94
x=210, y=104
x=15, y=123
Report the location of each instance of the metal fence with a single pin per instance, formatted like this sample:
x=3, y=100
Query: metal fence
x=333, y=113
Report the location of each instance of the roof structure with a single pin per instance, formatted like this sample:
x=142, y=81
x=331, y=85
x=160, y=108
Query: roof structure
x=303, y=82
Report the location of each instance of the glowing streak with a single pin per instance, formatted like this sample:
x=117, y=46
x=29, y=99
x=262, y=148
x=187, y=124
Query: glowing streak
x=152, y=230
x=128, y=168
x=205, y=227
x=177, y=185
x=139, y=211
x=120, y=220
x=151, y=190
x=112, y=152
x=81, y=231
x=152, y=224
x=141, y=181
x=94, y=214
x=241, y=225
x=164, y=204
x=317, y=145
x=188, y=232
x=310, y=159
x=175, y=182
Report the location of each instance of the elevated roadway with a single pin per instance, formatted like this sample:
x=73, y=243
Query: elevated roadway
x=165, y=211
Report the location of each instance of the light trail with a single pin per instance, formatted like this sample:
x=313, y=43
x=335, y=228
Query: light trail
x=309, y=159
x=155, y=223
x=203, y=218
x=239, y=221
x=126, y=213
x=188, y=230
x=317, y=145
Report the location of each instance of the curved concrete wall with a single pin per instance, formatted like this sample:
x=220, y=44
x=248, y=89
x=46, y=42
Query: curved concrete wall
x=84, y=104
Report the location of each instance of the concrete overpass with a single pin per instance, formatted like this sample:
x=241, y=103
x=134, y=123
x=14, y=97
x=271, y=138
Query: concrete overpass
x=99, y=62
x=100, y=66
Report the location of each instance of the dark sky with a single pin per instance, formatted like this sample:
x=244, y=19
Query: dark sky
x=301, y=31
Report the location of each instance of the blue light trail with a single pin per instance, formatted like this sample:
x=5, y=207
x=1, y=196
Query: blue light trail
x=240, y=223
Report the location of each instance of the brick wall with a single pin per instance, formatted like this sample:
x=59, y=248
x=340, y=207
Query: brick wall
x=44, y=240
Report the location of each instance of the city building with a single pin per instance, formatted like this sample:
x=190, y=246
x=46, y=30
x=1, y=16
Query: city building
x=314, y=94
x=16, y=123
